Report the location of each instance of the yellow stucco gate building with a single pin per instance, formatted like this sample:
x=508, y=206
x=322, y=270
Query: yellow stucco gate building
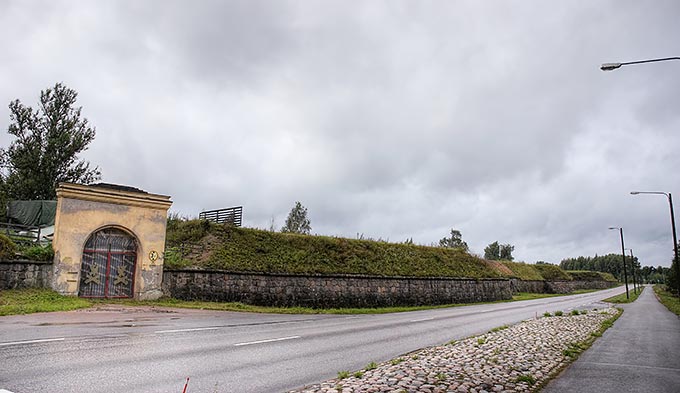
x=109, y=241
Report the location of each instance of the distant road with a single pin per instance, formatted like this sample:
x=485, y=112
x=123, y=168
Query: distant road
x=143, y=350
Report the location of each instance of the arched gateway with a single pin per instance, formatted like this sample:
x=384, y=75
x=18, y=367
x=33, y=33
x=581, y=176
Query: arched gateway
x=109, y=241
x=108, y=267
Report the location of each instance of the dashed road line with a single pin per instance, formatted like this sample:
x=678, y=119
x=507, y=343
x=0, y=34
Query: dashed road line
x=185, y=330
x=44, y=340
x=271, y=340
x=422, y=319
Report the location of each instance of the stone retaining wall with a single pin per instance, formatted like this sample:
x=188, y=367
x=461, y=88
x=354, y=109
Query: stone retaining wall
x=329, y=290
x=25, y=274
x=558, y=286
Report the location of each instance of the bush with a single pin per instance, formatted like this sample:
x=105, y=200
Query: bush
x=38, y=252
x=7, y=247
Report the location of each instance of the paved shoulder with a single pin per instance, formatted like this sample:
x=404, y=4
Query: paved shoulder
x=640, y=353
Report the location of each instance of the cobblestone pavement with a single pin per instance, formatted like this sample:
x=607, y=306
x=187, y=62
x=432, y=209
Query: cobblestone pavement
x=518, y=358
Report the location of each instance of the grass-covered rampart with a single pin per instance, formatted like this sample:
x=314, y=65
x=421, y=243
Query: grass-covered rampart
x=204, y=245
x=254, y=250
x=587, y=275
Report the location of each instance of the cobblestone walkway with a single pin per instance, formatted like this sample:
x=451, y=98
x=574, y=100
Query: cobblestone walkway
x=513, y=359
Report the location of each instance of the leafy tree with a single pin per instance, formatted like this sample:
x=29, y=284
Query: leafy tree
x=498, y=252
x=297, y=221
x=506, y=252
x=492, y=252
x=48, y=141
x=455, y=241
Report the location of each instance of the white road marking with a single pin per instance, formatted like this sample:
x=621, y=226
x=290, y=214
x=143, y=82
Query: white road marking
x=45, y=340
x=185, y=330
x=4, y=391
x=422, y=319
x=267, y=341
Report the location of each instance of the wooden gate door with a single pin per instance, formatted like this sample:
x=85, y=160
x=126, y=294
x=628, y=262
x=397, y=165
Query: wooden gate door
x=108, y=269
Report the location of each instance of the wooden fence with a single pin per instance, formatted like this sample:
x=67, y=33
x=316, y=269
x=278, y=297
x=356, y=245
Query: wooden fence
x=232, y=215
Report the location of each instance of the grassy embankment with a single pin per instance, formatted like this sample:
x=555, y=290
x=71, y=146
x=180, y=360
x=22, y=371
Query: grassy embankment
x=27, y=301
x=209, y=246
x=671, y=302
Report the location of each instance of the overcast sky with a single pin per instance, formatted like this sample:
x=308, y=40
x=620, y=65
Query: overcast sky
x=394, y=119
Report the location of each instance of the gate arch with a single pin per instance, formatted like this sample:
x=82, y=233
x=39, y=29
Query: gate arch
x=108, y=264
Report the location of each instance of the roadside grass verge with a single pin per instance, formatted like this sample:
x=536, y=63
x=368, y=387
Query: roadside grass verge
x=622, y=297
x=671, y=302
x=27, y=301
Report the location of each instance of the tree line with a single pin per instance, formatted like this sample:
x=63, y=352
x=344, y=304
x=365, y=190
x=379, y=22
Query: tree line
x=612, y=263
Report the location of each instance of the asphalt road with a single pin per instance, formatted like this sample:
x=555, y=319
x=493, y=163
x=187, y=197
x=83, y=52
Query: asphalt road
x=148, y=350
x=640, y=353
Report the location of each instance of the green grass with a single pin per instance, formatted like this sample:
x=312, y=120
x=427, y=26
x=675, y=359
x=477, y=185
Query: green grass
x=528, y=378
x=254, y=250
x=552, y=272
x=24, y=301
x=27, y=301
x=523, y=271
x=587, y=275
x=622, y=297
x=671, y=302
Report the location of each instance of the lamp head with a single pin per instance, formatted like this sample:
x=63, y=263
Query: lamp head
x=634, y=192
x=610, y=66
x=614, y=228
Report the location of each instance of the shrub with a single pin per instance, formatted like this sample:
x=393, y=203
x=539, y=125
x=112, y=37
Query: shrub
x=7, y=247
x=575, y=312
x=38, y=253
x=371, y=366
x=343, y=374
x=547, y=314
x=358, y=374
x=558, y=313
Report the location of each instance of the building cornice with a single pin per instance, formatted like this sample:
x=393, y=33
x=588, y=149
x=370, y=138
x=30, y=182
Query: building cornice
x=119, y=197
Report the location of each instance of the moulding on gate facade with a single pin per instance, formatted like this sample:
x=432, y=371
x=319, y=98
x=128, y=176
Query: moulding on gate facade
x=109, y=241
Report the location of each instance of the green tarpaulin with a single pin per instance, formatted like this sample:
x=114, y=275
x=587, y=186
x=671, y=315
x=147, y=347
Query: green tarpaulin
x=32, y=213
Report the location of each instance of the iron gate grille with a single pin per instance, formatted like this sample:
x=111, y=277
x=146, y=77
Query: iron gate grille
x=108, y=269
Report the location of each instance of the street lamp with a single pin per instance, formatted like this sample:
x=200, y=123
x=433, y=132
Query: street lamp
x=613, y=66
x=623, y=253
x=636, y=286
x=675, y=237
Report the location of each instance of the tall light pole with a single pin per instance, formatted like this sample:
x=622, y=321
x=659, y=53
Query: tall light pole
x=632, y=269
x=623, y=253
x=675, y=237
x=613, y=66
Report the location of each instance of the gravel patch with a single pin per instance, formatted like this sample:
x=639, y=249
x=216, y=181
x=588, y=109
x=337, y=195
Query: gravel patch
x=518, y=358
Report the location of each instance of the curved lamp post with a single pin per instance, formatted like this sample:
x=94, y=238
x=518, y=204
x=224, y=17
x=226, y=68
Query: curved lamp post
x=613, y=66
x=623, y=253
x=675, y=237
